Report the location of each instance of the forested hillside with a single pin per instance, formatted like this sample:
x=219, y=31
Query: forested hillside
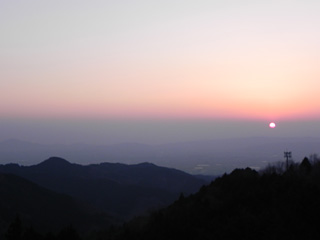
x=242, y=205
x=275, y=203
x=43, y=209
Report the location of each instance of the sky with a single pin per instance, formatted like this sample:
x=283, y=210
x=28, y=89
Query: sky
x=158, y=71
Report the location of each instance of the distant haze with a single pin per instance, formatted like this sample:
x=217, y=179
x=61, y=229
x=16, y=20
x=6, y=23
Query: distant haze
x=150, y=131
x=209, y=157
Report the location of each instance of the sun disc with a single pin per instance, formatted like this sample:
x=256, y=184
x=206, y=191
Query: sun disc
x=272, y=125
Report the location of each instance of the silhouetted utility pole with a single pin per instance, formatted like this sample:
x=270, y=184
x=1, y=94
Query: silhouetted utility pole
x=287, y=155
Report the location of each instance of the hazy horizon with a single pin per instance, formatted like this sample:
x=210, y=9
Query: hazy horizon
x=101, y=132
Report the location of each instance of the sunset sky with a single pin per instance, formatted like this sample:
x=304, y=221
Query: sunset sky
x=208, y=68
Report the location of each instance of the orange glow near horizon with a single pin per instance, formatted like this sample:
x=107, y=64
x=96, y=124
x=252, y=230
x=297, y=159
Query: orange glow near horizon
x=224, y=61
x=179, y=92
x=192, y=110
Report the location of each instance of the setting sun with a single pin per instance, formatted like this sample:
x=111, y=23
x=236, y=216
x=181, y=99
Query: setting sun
x=272, y=125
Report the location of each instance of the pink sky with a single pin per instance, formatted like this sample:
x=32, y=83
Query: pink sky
x=146, y=59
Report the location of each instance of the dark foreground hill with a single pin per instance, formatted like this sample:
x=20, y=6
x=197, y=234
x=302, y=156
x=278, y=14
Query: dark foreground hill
x=241, y=205
x=118, y=189
x=43, y=209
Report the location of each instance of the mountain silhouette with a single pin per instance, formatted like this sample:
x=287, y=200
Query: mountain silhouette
x=42, y=208
x=240, y=205
x=54, y=162
x=121, y=190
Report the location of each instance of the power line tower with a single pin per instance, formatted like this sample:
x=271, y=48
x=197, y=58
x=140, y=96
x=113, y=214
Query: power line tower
x=287, y=155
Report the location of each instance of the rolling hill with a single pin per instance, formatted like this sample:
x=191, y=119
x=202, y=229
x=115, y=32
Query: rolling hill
x=240, y=205
x=121, y=190
x=44, y=209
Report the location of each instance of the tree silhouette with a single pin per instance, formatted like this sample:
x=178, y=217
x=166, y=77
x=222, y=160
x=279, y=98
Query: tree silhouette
x=68, y=233
x=31, y=234
x=245, y=204
x=305, y=166
x=14, y=231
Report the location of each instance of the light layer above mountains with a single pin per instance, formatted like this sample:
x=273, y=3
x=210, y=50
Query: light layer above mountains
x=207, y=157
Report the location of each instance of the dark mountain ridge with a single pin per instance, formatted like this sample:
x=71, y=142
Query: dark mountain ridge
x=44, y=209
x=240, y=205
x=118, y=189
x=54, y=162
